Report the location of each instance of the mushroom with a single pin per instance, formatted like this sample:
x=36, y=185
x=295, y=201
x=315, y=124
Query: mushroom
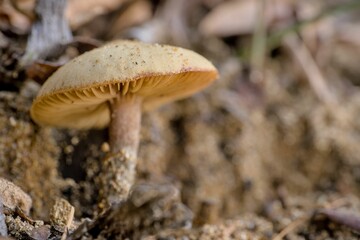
x=111, y=85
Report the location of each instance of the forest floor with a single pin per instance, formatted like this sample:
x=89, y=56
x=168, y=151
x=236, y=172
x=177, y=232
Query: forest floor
x=269, y=151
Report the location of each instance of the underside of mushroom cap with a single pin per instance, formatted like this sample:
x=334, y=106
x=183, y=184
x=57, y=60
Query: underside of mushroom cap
x=77, y=94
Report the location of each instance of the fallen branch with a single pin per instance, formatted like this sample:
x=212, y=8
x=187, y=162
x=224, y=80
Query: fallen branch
x=49, y=33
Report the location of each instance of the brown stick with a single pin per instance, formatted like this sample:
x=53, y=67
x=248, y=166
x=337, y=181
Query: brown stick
x=49, y=33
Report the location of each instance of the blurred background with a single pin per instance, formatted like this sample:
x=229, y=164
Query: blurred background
x=274, y=139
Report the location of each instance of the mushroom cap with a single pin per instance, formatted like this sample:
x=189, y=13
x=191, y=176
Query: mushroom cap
x=77, y=94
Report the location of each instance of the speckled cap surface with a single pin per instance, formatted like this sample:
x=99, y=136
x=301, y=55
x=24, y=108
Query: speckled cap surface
x=76, y=95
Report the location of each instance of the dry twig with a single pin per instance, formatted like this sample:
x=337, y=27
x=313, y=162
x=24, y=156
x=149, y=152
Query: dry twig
x=314, y=75
x=292, y=227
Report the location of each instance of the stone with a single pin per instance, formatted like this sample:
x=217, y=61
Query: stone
x=13, y=196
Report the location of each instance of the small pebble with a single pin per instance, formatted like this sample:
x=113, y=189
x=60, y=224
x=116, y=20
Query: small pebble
x=75, y=140
x=105, y=147
x=12, y=196
x=69, y=149
x=61, y=215
x=12, y=121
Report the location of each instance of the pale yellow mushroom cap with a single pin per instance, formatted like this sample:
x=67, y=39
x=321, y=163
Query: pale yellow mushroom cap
x=76, y=95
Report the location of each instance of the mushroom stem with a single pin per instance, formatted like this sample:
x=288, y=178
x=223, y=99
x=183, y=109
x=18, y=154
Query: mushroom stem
x=125, y=124
x=118, y=169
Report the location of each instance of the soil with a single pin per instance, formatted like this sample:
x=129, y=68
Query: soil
x=242, y=159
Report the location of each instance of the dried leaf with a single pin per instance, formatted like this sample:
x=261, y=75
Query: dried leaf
x=41, y=70
x=40, y=233
x=84, y=44
x=26, y=7
x=346, y=218
x=240, y=17
x=79, y=12
x=12, y=19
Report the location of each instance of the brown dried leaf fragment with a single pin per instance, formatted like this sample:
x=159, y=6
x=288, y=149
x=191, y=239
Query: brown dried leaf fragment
x=40, y=233
x=79, y=12
x=240, y=17
x=11, y=19
x=346, y=218
x=41, y=70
